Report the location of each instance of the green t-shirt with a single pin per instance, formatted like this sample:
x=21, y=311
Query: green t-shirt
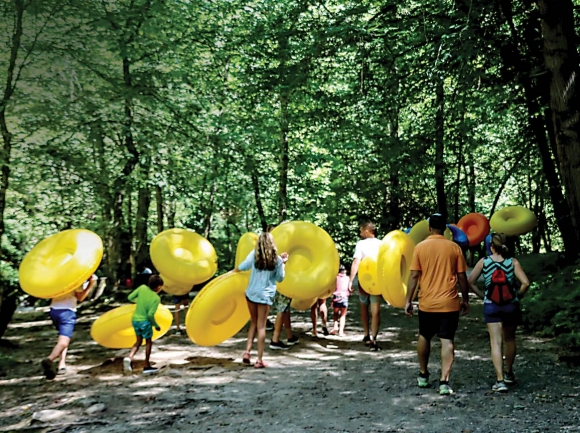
x=147, y=302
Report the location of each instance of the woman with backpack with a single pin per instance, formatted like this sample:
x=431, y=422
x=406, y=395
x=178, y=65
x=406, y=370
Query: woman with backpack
x=501, y=305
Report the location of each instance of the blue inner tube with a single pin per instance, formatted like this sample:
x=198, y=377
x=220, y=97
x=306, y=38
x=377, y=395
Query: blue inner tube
x=459, y=236
x=488, y=244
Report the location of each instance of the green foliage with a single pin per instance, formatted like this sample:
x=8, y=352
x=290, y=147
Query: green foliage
x=551, y=305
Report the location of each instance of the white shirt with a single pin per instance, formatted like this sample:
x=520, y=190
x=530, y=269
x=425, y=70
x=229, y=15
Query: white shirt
x=68, y=301
x=367, y=247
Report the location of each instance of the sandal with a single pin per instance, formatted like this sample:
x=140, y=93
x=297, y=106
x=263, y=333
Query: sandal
x=260, y=364
x=246, y=358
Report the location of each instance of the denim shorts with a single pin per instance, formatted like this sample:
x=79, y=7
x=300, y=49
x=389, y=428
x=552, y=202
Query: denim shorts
x=178, y=299
x=143, y=329
x=508, y=315
x=64, y=321
x=363, y=296
x=339, y=302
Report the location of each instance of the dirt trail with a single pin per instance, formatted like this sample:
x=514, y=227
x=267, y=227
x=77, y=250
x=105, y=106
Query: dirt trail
x=321, y=384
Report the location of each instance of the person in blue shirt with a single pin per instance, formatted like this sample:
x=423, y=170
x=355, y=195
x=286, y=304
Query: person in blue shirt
x=267, y=268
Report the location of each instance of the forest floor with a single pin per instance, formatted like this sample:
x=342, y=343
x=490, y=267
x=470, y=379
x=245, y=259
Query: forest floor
x=321, y=384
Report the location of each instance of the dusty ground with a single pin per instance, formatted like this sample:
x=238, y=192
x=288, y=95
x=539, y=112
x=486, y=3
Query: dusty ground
x=322, y=384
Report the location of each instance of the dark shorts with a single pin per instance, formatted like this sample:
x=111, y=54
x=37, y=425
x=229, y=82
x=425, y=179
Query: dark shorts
x=178, y=299
x=64, y=321
x=508, y=315
x=143, y=329
x=339, y=302
x=444, y=325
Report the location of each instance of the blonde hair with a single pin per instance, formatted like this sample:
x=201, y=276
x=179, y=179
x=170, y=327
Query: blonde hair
x=266, y=257
x=498, y=241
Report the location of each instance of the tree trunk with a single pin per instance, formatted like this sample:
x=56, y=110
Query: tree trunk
x=8, y=296
x=440, y=148
x=160, y=207
x=563, y=62
x=10, y=86
x=284, y=160
x=142, y=248
x=537, y=125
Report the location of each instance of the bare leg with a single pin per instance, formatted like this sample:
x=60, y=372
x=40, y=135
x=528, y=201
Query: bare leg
x=343, y=312
x=323, y=311
x=364, y=317
x=148, y=346
x=314, y=318
x=376, y=319
x=62, y=362
x=176, y=314
x=135, y=347
x=423, y=352
x=278, y=323
x=263, y=311
x=335, y=316
x=509, y=335
x=447, y=355
x=496, y=343
x=253, y=307
x=287, y=324
x=61, y=345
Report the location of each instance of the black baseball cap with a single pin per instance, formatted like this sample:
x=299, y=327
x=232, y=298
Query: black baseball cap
x=437, y=221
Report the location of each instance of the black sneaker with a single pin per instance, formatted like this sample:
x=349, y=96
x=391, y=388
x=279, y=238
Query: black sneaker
x=509, y=378
x=292, y=341
x=150, y=370
x=48, y=368
x=374, y=346
x=366, y=339
x=278, y=345
x=325, y=330
x=269, y=325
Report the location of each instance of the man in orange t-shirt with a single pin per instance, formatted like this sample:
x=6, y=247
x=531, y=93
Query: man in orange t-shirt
x=438, y=265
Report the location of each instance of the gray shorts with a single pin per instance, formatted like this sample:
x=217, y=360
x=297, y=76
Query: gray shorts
x=363, y=296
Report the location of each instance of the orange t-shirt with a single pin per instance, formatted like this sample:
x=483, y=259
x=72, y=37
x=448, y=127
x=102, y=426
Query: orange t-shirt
x=439, y=260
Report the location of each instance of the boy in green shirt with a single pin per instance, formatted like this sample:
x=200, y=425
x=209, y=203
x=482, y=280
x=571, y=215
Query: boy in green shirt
x=143, y=320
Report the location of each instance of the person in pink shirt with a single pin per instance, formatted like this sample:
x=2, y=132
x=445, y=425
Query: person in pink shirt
x=340, y=301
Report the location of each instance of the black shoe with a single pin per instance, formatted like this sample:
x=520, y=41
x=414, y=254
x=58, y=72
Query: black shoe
x=269, y=325
x=278, y=345
x=325, y=330
x=48, y=368
x=509, y=378
x=150, y=370
x=374, y=346
x=366, y=339
x=292, y=341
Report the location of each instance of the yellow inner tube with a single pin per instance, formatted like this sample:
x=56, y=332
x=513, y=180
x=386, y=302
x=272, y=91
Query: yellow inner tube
x=60, y=263
x=115, y=331
x=246, y=244
x=219, y=311
x=394, y=263
x=313, y=259
x=303, y=304
x=420, y=231
x=367, y=276
x=184, y=257
x=513, y=221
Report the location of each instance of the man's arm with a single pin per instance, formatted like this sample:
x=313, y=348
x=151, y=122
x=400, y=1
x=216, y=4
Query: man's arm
x=353, y=272
x=464, y=286
x=411, y=289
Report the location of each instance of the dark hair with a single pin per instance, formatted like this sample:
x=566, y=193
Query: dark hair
x=155, y=281
x=437, y=222
x=266, y=257
x=341, y=268
x=498, y=241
